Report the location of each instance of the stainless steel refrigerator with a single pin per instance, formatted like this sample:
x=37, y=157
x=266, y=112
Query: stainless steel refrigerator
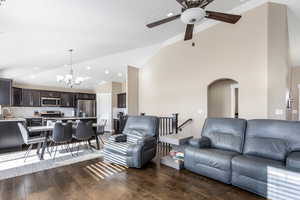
x=86, y=108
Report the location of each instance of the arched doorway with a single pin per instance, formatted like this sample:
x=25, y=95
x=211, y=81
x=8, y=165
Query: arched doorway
x=223, y=98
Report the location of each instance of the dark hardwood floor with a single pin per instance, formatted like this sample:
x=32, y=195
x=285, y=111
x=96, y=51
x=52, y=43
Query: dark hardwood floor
x=93, y=180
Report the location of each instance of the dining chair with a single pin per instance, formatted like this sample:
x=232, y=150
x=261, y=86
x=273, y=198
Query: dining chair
x=83, y=133
x=101, y=129
x=61, y=135
x=28, y=140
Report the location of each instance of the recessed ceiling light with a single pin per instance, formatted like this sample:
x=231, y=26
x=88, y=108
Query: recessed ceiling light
x=88, y=68
x=106, y=71
x=33, y=76
x=120, y=74
x=170, y=14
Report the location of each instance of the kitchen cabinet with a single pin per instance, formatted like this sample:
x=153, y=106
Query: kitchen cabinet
x=85, y=96
x=50, y=94
x=31, y=98
x=67, y=99
x=17, y=96
x=122, y=100
x=5, y=92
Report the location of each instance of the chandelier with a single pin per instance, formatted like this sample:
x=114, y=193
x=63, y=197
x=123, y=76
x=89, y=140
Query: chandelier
x=2, y=2
x=69, y=79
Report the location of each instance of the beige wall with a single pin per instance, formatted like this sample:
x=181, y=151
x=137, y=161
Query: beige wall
x=219, y=99
x=278, y=67
x=132, y=96
x=177, y=77
x=295, y=91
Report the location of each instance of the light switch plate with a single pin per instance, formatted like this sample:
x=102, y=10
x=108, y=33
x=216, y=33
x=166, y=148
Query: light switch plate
x=278, y=112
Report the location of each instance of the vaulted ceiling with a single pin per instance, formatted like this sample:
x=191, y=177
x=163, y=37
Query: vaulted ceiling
x=35, y=36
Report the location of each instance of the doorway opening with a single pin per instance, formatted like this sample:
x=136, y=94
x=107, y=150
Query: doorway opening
x=223, y=99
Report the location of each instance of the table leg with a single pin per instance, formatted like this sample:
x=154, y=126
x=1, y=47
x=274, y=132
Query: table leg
x=44, y=146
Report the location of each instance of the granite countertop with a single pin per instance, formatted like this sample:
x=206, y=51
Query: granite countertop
x=12, y=120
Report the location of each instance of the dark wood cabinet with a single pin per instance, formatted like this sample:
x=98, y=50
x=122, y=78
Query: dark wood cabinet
x=67, y=99
x=31, y=98
x=17, y=96
x=85, y=96
x=50, y=94
x=5, y=91
x=122, y=100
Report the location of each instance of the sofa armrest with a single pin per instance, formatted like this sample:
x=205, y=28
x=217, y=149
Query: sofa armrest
x=118, y=138
x=202, y=142
x=146, y=141
x=293, y=161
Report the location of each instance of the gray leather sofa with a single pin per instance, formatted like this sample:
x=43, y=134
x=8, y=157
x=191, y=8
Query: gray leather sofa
x=211, y=156
x=137, y=145
x=268, y=143
x=239, y=152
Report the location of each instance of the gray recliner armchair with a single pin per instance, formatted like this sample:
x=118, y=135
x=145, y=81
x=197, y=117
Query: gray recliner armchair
x=211, y=155
x=137, y=145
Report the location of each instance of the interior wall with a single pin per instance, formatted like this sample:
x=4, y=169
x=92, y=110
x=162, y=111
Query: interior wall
x=219, y=99
x=132, y=90
x=177, y=77
x=278, y=67
x=295, y=92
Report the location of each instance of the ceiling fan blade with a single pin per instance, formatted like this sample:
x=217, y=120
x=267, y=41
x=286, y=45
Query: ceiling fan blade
x=182, y=3
x=229, y=18
x=189, y=32
x=163, y=21
x=205, y=3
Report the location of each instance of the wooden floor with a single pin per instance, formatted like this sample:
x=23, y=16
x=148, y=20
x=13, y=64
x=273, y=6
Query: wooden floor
x=152, y=182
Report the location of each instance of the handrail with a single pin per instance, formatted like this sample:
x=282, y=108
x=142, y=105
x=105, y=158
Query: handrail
x=184, y=123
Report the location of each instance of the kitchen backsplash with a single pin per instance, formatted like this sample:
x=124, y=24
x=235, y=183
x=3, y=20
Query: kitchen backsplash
x=29, y=111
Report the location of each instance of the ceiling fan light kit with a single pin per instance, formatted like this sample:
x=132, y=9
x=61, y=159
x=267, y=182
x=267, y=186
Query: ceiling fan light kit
x=193, y=15
x=193, y=11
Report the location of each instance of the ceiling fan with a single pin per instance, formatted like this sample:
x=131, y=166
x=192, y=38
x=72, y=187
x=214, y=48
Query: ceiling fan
x=193, y=11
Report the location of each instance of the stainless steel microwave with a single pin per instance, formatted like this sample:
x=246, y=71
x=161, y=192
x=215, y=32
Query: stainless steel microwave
x=50, y=102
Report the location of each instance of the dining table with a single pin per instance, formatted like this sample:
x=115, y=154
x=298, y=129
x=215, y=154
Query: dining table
x=47, y=132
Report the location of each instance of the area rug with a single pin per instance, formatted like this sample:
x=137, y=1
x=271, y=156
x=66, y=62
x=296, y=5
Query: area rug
x=12, y=164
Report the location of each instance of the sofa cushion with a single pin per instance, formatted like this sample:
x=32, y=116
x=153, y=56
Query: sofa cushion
x=142, y=126
x=215, y=158
x=225, y=133
x=272, y=139
x=254, y=167
x=271, y=148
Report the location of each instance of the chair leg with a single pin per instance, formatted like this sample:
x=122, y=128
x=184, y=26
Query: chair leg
x=48, y=148
x=89, y=146
x=27, y=152
x=69, y=149
x=55, y=152
x=101, y=139
x=78, y=146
